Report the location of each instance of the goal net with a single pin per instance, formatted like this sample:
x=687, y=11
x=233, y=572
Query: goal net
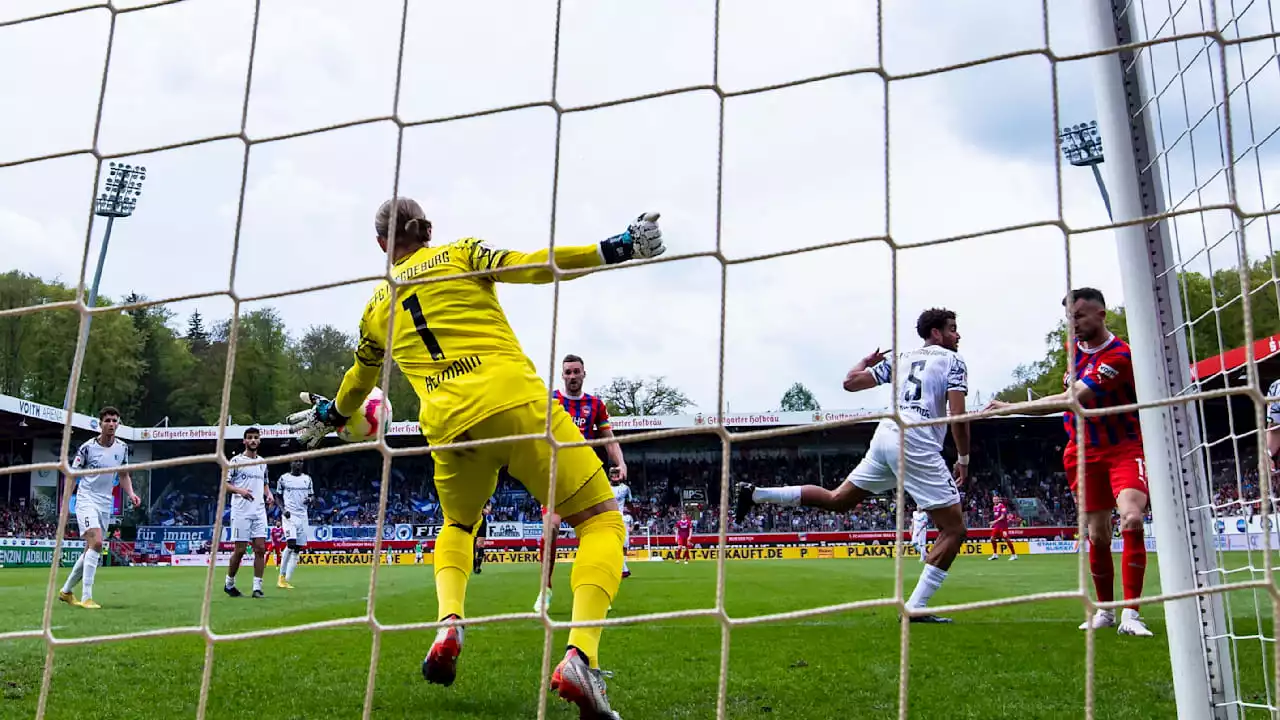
x=1187, y=113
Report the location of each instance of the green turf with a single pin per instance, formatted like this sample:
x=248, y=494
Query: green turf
x=1024, y=661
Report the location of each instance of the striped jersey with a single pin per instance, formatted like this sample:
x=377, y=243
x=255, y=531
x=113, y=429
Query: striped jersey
x=588, y=413
x=1108, y=371
x=1273, y=408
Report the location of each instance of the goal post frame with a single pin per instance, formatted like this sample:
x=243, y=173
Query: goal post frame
x=1199, y=649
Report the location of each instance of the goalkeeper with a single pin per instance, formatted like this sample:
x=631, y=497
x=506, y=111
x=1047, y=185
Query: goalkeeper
x=452, y=341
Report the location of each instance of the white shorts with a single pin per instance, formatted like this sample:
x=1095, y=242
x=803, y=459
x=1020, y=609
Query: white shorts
x=90, y=517
x=248, y=527
x=927, y=479
x=297, y=528
x=920, y=538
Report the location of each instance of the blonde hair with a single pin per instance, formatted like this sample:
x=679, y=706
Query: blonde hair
x=411, y=221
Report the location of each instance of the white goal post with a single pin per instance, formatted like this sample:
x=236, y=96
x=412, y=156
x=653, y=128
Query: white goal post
x=1199, y=645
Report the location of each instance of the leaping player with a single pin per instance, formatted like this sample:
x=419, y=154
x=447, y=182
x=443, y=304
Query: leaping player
x=1001, y=516
x=453, y=343
x=1115, y=475
x=920, y=532
x=295, y=490
x=592, y=418
x=933, y=381
x=94, y=502
x=684, y=538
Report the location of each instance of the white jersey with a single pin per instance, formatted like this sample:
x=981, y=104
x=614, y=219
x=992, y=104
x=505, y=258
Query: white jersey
x=294, y=491
x=1273, y=408
x=252, y=478
x=95, y=490
x=919, y=522
x=925, y=376
x=622, y=493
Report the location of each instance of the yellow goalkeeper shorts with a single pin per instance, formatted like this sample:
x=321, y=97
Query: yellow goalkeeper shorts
x=465, y=479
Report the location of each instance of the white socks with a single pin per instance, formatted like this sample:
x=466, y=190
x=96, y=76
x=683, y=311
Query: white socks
x=788, y=495
x=286, y=562
x=930, y=580
x=77, y=571
x=257, y=583
x=290, y=564
x=91, y=558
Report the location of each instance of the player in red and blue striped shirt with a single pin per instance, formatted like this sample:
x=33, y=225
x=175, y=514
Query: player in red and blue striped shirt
x=1115, y=475
x=592, y=418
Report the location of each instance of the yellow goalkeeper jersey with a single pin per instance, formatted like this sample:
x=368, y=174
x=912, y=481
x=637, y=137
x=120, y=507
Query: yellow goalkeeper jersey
x=451, y=337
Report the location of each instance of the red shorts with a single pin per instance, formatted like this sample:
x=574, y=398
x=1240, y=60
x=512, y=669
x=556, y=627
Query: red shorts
x=683, y=541
x=1106, y=473
x=999, y=530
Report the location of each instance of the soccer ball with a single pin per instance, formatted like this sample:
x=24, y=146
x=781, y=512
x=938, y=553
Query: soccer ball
x=362, y=426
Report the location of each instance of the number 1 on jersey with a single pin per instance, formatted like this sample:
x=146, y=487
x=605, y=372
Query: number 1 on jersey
x=414, y=307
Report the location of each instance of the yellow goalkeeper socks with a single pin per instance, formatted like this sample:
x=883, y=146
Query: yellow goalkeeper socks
x=597, y=572
x=452, y=558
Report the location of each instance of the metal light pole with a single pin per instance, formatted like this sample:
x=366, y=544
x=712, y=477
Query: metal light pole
x=118, y=200
x=1082, y=145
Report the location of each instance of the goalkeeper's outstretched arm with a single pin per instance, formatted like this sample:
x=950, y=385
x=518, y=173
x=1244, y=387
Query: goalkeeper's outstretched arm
x=642, y=239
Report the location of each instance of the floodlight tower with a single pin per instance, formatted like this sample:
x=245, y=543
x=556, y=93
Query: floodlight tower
x=119, y=198
x=1082, y=145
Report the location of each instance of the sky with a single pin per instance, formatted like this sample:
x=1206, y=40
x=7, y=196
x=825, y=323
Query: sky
x=969, y=150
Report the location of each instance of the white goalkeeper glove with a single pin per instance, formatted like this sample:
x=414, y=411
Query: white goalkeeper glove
x=643, y=239
x=311, y=425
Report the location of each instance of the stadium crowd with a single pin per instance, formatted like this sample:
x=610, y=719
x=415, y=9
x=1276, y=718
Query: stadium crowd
x=347, y=490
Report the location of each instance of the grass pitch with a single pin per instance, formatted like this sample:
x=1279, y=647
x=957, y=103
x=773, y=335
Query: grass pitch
x=1023, y=660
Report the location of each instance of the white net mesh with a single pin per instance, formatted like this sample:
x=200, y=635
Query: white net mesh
x=1208, y=103
x=1213, y=103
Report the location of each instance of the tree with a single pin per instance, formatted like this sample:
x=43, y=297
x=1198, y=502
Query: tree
x=321, y=357
x=636, y=396
x=197, y=337
x=798, y=397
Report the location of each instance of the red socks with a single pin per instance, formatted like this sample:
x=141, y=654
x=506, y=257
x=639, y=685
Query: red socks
x=1133, y=564
x=1104, y=571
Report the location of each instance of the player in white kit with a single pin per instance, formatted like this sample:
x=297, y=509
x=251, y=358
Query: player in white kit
x=94, y=502
x=932, y=383
x=920, y=532
x=251, y=492
x=1273, y=426
x=622, y=494
x=294, y=489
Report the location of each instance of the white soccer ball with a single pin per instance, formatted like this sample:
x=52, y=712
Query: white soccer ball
x=364, y=425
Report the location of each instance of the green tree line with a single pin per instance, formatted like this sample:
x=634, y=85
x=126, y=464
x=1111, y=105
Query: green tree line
x=1214, y=313
x=143, y=362
x=140, y=361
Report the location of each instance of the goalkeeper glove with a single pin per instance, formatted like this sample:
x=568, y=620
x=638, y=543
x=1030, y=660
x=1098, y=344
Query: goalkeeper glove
x=312, y=424
x=643, y=239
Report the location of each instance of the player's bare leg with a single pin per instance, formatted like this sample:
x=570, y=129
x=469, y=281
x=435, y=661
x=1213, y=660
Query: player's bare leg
x=233, y=567
x=951, y=535
x=547, y=564
x=1133, y=559
x=842, y=499
x=83, y=571
x=259, y=564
